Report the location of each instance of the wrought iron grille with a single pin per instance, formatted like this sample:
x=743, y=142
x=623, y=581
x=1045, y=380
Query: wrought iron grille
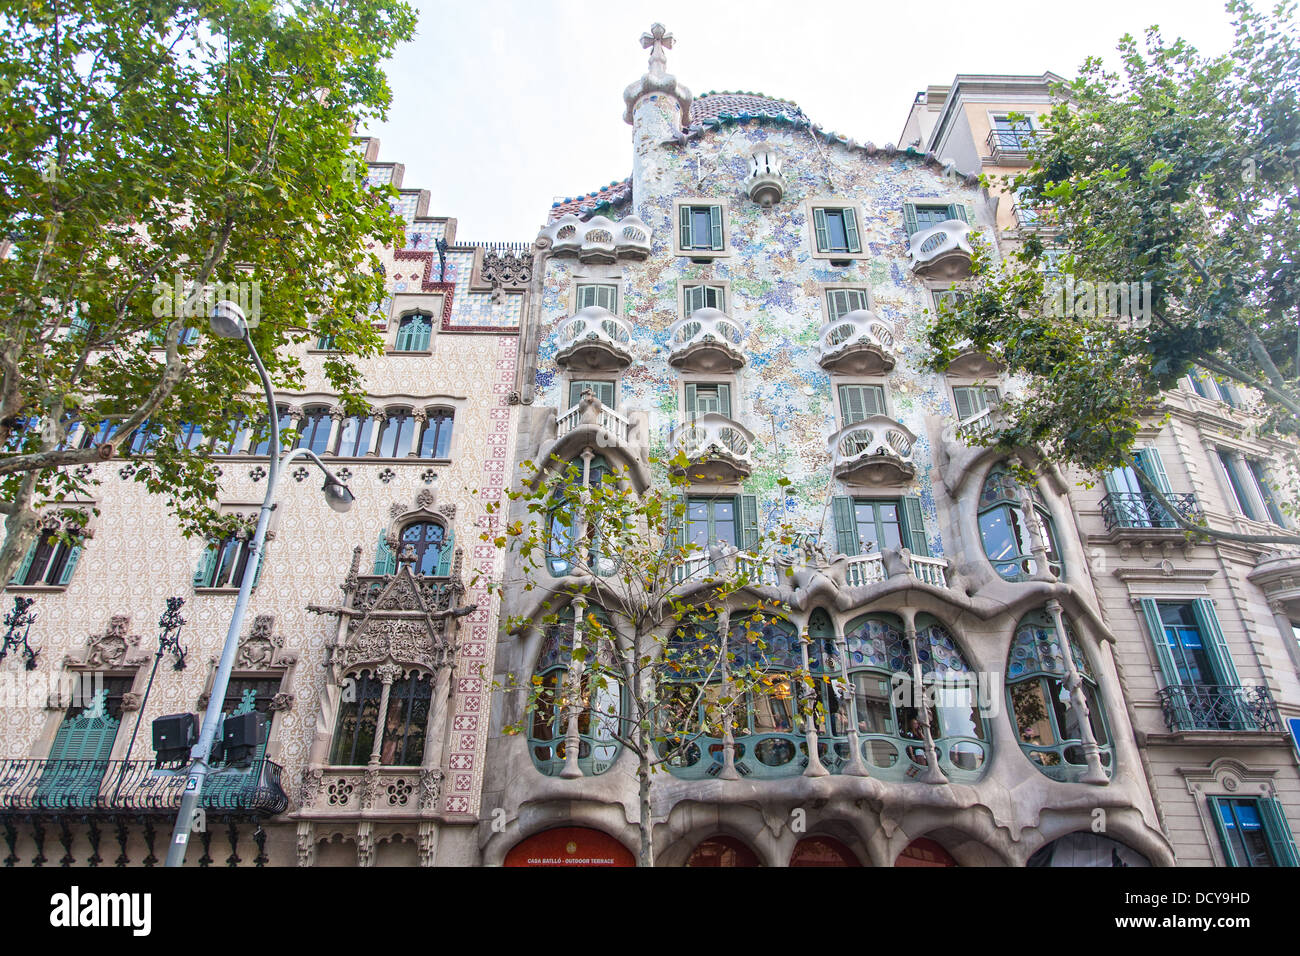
x=1011, y=140
x=1218, y=707
x=1141, y=510
x=139, y=786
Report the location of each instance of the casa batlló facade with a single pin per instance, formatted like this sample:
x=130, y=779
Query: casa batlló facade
x=754, y=295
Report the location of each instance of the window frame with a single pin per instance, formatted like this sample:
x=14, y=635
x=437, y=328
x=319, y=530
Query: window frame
x=401, y=323
x=721, y=286
x=612, y=285
x=414, y=678
x=886, y=406
x=830, y=288
x=826, y=204
x=956, y=209
x=714, y=251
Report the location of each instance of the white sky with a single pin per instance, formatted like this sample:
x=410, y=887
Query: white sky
x=502, y=106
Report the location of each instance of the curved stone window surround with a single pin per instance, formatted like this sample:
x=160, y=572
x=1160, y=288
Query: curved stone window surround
x=1009, y=543
x=565, y=526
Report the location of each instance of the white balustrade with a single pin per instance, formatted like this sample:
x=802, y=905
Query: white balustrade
x=598, y=327
x=930, y=570
x=942, y=249
x=876, y=436
x=595, y=414
x=864, y=569
x=710, y=435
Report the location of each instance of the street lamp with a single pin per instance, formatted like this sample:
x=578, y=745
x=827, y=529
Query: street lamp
x=228, y=322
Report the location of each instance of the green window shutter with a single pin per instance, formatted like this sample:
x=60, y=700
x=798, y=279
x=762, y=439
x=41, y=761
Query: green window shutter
x=207, y=566
x=909, y=218
x=713, y=298
x=914, y=525
x=385, y=559
x=1148, y=459
x=1216, y=645
x=604, y=391
x=846, y=527
x=607, y=297
x=74, y=555
x=257, y=569
x=1165, y=658
x=859, y=402
x=957, y=211
x=839, y=303
x=724, y=399
x=676, y=523
x=445, y=556
x=694, y=298
x=715, y=224
x=686, y=227
x=1229, y=854
x=748, y=522
x=586, y=296
x=965, y=401
x=851, y=230
x=1280, y=841
x=21, y=574
x=823, y=235
x=690, y=400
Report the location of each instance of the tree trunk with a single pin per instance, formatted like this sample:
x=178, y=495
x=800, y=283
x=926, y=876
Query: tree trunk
x=647, y=857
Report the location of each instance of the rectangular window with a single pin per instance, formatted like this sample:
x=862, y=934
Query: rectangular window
x=703, y=398
x=1236, y=483
x=1259, y=476
x=840, y=302
x=1207, y=386
x=921, y=216
x=860, y=402
x=870, y=526
x=1253, y=831
x=731, y=519
x=701, y=228
x=1013, y=135
x=604, y=391
x=605, y=296
x=704, y=297
x=836, y=230
x=970, y=400
x=952, y=298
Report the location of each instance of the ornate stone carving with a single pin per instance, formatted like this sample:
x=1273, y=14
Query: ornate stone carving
x=506, y=269
x=311, y=782
x=428, y=841
x=397, y=509
x=131, y=702
x=113, y=648
x=281, y=702
x=365, y=844
x=425, y=499
x=260, y=648
x=306, y=843
x=430, y=788
x=370, y=790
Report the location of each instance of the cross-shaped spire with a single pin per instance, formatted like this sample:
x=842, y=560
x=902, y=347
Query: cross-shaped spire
x=656, y=41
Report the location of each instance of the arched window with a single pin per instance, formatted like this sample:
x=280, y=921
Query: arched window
x=396, y=434
x=413, y=333
x=431, y=542
x=1007, y=539
x=1045, y=723
x=401, y=732
x=48, y=561
x=435, y=441
x=354, y=436
x=224, y=564
x=563, y=522
x=889, y=710
x=263, y=435
x=822, y=851
x=91, y=436
x=1086, y=849
x=769, y=741
x=600, y=694
x=190, y=436
x=314, y=429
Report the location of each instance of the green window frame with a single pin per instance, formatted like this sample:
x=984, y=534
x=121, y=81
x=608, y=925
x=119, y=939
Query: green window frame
x=970, y=400
x=1237, y=484
x=414, y=332
x=1260, y=476
x=1008, y=543
x=434, y=549
x=1194, y=659
x=604, y=391
x=562, y=523
x=925, y=215
x=840, y=302
x=860, y=402
x=707, y=519
x=695, y=297
x=224, y=563
x=48, y=561
x=836, y=229
x=1253, y=831
x=701, y=228
x=601, y=294
x=83, y=744
x=852, y=516
x=703, y=398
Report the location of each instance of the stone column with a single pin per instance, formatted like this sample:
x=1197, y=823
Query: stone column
x=1095, y=774
x=856, y=767
x=573, y=696
x=815, y=766
x=377, y=417
x=421, y=419
x=729, y=771
x=933, y=772
x=387, y=673
x=337, y=416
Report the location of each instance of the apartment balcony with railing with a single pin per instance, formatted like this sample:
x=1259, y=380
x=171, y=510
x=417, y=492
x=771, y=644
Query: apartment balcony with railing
x=1010, y=147
x=1133, y=514
x=1040, y=219
x=942, y=251
x=594, y=340
x=857, y=343
x=718, y=448
x=876, y=450
x=138, y=787
x=599, y=240
x=862, y=570
x=616, y=428
x=1219, y=707
x=708, y=340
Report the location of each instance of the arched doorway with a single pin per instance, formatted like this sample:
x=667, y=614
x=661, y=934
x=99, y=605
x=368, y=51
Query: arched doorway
x=570, y=846
x=1086, y=849
x=924, y=852
x=822, y=851
x=722, y=851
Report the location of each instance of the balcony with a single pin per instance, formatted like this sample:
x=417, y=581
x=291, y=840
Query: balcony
x=863, y=570
x=615, y=427
x=594, y=340
x=93, y=787
x=942, y=251
x=717, y=447
x=707, y=341
x=362, y=791
x=857, y=343
x=764, y=183
x=876, y=450
x=1040, y=219
x=1221, y=707
x=598, y=240
x=1010, y=147
x=1127, y=511
x=971, y=430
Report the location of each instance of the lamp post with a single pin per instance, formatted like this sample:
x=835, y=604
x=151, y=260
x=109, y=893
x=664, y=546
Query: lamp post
x=227, y=321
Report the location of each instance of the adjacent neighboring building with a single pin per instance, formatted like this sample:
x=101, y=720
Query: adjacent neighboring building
x=357, y=623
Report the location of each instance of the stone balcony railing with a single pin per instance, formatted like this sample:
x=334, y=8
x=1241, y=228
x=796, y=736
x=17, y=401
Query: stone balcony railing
x=594, y=340
x=857, y=343
x=873, y=451
x=942, y=251
x=862, y=570
x=706, y=341
x=616, y=426
x=598, y=240
x=717, y=447
x=358, y=791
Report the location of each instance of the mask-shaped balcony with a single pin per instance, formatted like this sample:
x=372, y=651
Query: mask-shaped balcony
x=717, y=448
x=874, y=451
x=857, y=343
x=599, y=240
x=764, y=182
x=942, y=251
x=594, y=340
x=707, y=341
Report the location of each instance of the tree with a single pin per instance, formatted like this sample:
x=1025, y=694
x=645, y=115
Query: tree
x=668, y=640
x=1173, y=191
x=160, y=156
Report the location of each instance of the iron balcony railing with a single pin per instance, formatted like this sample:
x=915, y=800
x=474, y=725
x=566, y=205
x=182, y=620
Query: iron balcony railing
x=1130, y=509
x=1219, y=707
x=1010, y=140
x=134, y=786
